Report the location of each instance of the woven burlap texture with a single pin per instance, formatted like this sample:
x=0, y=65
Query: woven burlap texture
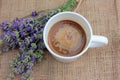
x=96, y=64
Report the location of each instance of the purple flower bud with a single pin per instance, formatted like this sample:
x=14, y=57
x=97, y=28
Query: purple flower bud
x=29, y=67
x=33, y=59
x=4, y=49
x=28, y=20
x=18, y=66
x=5, y=26
x=25, y=51
x=22, y=57
x=5, y=33
x=23, y=20
x=22, y=45
x=16, y=43
x=1, y=36
x=42, y=14
x=17, y=73
x=20, y=27
x=28, y=28
x=4, y=23
x=39, y=46
x=34, y=13
x=32, y=31
x=16, y=23
x=46, y=19
x=37, y=25
x=32, y=37
x=22, y=34
x=10, y=45
x=12, y=35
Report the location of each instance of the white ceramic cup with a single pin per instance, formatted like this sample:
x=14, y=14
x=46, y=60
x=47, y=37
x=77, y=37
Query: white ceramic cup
x=92, y=40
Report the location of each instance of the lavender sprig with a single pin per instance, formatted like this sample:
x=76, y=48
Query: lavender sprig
x=26, y=35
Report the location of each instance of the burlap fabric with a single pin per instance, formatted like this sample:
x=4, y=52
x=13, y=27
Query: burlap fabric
x=97, y=64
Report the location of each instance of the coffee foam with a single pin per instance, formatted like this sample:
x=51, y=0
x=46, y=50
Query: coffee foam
x=67, y=39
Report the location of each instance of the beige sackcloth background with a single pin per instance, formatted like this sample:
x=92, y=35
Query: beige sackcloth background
x=97, y=64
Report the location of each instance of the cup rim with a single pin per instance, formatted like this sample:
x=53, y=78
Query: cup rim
x=67, y=57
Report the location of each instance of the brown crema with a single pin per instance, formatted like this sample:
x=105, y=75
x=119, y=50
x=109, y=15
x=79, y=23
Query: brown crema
x=67, y=38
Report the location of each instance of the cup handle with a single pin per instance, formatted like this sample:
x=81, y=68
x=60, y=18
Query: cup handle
x=98, y=41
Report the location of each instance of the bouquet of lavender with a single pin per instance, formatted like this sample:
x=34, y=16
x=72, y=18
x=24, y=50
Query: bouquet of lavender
x=26, y=35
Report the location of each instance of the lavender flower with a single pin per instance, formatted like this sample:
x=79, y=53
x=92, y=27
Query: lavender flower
x=33, y=59
x=43, y=14
x=4, y=49
x=16, y=23
x=13, y=35
x=32, y=37
x=5, y=23
x=23, y=34
x=26, y=35
x=28, y=20
x=5, y=26
x=28, y=28
x=29, y=67
x=37, y=25
x=34, y=13
x=22, y=57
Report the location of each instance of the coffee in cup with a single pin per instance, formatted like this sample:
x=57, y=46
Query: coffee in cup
x=67, y=38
